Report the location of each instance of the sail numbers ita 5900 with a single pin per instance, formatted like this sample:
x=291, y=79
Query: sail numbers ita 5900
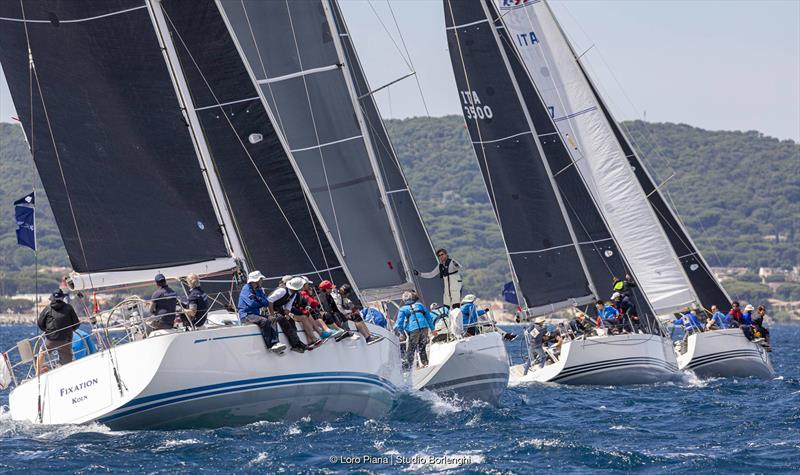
x=473, y=109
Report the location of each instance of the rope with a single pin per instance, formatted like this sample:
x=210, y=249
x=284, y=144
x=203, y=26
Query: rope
x=244, y=148
x=34, y=74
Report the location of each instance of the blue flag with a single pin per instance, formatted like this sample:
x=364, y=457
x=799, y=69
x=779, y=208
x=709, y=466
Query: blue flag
x=510, y=293
x=24, y=212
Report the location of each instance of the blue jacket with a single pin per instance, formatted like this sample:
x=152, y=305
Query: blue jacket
x=470, y=314
x=608, y=312
x=721, y=320
x=82, y=344
x=373, y=315
x=690, y=322
x=250, y=302
x=413, y=316
x=747, y=318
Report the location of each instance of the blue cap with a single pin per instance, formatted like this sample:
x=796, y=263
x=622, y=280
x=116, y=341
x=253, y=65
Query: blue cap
x=160, y=278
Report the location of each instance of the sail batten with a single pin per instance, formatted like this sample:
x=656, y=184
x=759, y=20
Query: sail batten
x=518, y=179
x=109, y=140
x=597, y=154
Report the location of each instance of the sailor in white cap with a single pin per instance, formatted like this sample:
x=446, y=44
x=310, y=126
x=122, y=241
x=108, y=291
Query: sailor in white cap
x=281, y=301
x=252, y=300
x=535, y=349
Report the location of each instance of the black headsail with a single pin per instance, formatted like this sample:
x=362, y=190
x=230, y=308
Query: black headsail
x=413, y=235
x=275, y=222
x=540, y=243
x=296, y=60
x=109, y=141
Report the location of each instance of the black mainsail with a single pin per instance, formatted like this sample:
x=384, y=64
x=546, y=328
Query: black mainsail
x=108, y=138
x=277, y=225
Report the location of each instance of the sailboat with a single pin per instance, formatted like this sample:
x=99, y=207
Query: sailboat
x=326, y=112
x=158, y=155
x=671, y=271
x=559, y=244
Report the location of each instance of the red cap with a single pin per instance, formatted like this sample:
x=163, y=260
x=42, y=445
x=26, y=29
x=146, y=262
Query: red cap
x=326, y=285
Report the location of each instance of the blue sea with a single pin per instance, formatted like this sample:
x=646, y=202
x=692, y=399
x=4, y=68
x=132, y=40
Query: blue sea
x=720, y=425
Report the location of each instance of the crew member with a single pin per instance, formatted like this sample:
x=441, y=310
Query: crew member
x=536, y=331
x=58, y=321
x=718, y=320
x=449, y=271
x=252, y=301
x=196, y=303
x=332, y=315
x=281, y=301
x=415, y=320
x=164, y=301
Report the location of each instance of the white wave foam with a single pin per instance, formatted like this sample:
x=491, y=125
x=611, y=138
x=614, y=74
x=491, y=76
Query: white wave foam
x=439, y=404
x=261, y=457
x=620, y=428
x=540, y=443
x=293, y=430
x=172, y=443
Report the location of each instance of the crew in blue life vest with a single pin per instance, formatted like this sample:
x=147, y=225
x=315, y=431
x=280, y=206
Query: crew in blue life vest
x=691, y=324
x=374, y=316
x=747, y=315
x=82, y=344
x=415, y=320
x=607, y=314
x=470, y=314
x=718, y=320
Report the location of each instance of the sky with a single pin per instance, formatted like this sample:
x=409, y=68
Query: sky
x=719, y=65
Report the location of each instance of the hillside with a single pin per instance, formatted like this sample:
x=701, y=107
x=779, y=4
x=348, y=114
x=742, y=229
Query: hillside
x=738, y=192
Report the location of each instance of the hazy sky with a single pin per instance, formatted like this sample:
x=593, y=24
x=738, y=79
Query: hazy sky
x=725, y=64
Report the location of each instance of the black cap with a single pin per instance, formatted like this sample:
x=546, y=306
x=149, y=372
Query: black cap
x=160, y=278
x=57, y=295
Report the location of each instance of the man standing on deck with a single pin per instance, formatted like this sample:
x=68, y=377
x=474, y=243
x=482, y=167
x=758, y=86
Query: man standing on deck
x=447, y=270
x=536, y=331
x=58, y=321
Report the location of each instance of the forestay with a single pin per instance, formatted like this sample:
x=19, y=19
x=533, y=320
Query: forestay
x=277, y=225
x=600, y=252
x=291, y=50
x=597, y=153
x=109, y=140
x=543, y=254
x=414, y=238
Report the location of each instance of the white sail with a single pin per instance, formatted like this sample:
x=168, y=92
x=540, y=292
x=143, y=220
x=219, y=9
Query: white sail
x=598, y=155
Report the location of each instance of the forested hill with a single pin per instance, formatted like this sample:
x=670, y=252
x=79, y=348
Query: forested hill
x=738, y=192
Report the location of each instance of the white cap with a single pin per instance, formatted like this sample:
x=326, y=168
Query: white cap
x=286, y=278
x=308, y=281
x=296, y=283
x=469, y=298
x=749, y=308
x=616, y=295
x=539, y=320
x=255, y=276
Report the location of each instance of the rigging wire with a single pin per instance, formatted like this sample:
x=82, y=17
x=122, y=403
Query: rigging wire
x=649, y=140
x=282, y=129
x=316, y=133
x=34, y=74
x=241, y=143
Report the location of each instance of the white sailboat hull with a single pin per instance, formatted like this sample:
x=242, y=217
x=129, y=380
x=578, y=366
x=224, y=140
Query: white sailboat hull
x=607, y=360
x=725, y=353
x=221, y=376
x=473, y=368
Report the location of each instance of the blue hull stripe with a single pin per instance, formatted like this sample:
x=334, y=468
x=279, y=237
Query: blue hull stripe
x=247, y=385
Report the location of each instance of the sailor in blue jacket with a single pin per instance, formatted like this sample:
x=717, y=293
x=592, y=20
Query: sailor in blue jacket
x=416, y=321
x=718, y=320
x=691, y=324
x=470, y=314
x=251, y=300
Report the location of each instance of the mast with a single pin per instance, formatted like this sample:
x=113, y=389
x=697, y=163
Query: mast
x=367, y=136
x=668, y=221
x=282, y=139
x=537, y=139
x=210, y=176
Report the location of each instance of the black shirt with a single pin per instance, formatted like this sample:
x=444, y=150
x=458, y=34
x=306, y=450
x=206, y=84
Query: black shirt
x=199, y=300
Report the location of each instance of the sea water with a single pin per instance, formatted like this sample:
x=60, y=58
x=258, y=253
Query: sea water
x=717, y=425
